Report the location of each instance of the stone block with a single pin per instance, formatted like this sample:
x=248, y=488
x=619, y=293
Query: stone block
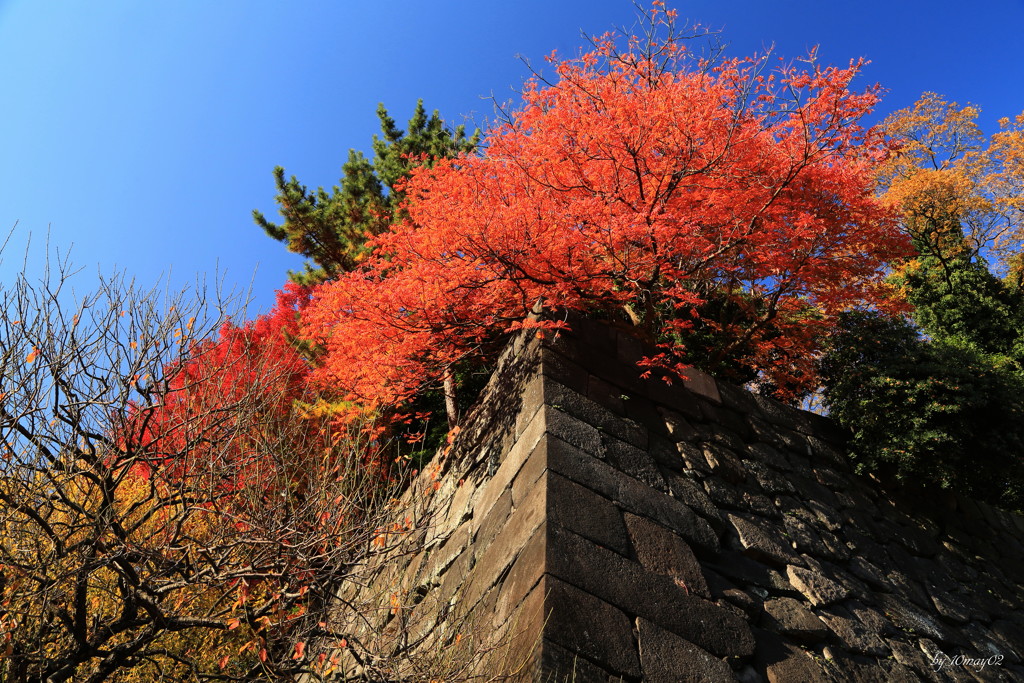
x=493, y=488
x=782, y=662
x=661, y=551
x=487, y=527
x=590, y=627
x=816, y=587
x=762, y=540
x=702, y=384
x=565, y=371
x=574, y=431
x=667, y=658
x=853, y=633
x=527, y=570
x=633, y=461
x=629, y=493
x=586, y=513
x=507, y=544
x=627, y=585
x=559, y=665
x=594, y=414
x=791, y=618
x=724, y=463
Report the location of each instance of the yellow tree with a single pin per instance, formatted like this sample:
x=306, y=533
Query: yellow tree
x=949, y=179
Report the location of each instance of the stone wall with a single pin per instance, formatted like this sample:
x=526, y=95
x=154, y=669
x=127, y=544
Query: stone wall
x=589, y=525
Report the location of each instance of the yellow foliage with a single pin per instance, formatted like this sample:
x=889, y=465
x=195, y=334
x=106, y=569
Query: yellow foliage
x=948, y=179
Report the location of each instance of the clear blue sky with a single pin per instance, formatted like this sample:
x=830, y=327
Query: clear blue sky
x=144, y=132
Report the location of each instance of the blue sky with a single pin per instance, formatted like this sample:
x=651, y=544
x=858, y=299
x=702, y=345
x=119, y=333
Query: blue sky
x=144, y=133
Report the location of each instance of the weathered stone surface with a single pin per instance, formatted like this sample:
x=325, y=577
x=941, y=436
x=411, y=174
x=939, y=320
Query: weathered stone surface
x=702, y=384
x=724, y=463
x=760, y=541
x=911, y=656
x=652, y=596
x=910, y=618
x=748, y=572
x=677, y=427
x=588, y=514
x=527, y=570
x=771, y=481
x=507, y=544
x=560, y=664
x=632, y=461
x=690, y=493
x=789, y=617
x=783, y=662
x=749, y=604
x=500, y=479
x=667, y=658
x=693, y=458
x=852, y=668
x=491, y=523
x=660, y=551
x=819, y=589
x=590, y=627
x=572, y=403
x=853, y=633
x=631, y=494
x=578, y=465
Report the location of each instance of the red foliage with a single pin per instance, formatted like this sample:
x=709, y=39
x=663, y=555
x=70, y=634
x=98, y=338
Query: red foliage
x=639, y=181
x=230, y=393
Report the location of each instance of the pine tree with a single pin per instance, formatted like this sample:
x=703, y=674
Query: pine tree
x=331, y=228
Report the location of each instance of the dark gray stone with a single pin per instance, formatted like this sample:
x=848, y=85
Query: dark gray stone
x=690, y=493
x=559, y=664
x=771, y=481
x=854, y=634
x=588, y=514
x=910, y=618
x=783, y=662
x=789, y=617
x=585, y=625
x=661, y=551
x=748, y=572
x=761, y=541
x=677, y=427
x=817, y=587
x=631, y=494
x=849, y=668
x=574, y=431
x=693, y=458
x=652, y=596
x=724, y=463
x=632, y=461
x=667, y=658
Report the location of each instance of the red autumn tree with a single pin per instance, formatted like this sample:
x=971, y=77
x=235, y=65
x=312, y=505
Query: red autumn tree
x=191, y=427
x=643, y=182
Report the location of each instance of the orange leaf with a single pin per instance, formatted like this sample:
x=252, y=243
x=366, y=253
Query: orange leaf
x=31, y=357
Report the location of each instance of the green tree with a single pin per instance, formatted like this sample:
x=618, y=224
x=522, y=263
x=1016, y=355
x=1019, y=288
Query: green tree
x=958, y=300
x=331, y=228
x=933, y=412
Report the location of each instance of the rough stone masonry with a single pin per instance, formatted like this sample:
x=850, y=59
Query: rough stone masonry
x=590, y=525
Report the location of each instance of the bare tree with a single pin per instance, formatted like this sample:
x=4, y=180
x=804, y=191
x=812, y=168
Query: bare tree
x=143, y=543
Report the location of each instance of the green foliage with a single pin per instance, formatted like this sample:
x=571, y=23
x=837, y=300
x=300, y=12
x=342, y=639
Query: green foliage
x=331, y=228
x=932, y=412
x=958, y=300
